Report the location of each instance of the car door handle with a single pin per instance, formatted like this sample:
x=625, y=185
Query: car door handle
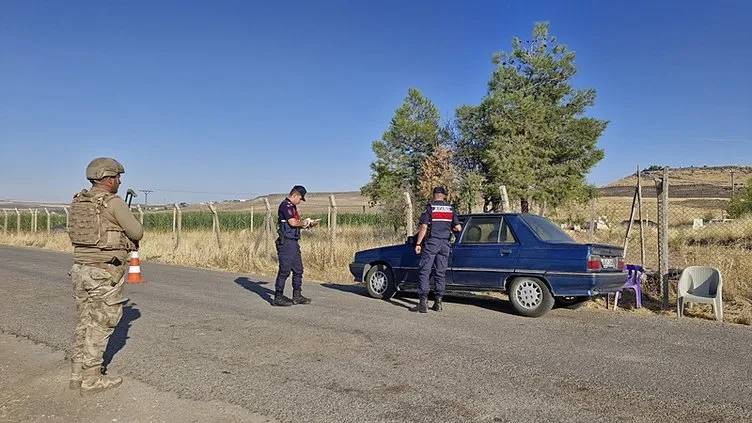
x=505, y=252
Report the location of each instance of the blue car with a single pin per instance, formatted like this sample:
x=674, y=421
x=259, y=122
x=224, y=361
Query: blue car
x=527, y=256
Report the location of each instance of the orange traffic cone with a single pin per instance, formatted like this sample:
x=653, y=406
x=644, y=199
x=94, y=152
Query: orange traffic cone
x=134, y=269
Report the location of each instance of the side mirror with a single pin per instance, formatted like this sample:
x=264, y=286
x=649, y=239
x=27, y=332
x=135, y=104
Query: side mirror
x=410, y=240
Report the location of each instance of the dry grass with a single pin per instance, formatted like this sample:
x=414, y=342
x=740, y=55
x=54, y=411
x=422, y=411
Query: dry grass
x=249, y=252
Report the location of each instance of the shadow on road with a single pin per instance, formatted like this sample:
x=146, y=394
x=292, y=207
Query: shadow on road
x=120, y=335
x=409, y=299
x=255, y=286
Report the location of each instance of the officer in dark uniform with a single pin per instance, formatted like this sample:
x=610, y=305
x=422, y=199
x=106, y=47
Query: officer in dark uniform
x=288, y=249
x=442, y=220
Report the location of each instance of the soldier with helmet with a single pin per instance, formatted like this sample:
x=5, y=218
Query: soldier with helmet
x=441, y=219
x=103, y=231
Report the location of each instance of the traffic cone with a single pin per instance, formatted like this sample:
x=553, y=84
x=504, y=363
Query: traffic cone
x=134, y=269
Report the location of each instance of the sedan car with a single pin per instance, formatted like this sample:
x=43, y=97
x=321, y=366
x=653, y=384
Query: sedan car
x=525, y=255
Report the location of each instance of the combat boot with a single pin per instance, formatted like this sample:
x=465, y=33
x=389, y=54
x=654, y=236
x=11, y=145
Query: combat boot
x=422, y=306
x=298, y=298
x=77, y=369
x=94, y=381
x=281, y=301
x=437, y=304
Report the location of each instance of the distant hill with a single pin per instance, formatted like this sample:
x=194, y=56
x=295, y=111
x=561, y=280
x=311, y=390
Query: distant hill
x=685, y=182
x=316, y=202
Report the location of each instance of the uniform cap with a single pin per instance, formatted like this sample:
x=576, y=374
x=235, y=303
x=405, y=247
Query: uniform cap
x=300, y=189
x=440, y=190
x=102, y=167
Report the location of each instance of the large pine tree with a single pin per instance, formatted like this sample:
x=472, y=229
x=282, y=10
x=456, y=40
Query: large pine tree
x=529, y=131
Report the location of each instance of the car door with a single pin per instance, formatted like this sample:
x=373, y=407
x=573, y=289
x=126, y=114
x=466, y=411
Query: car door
x=484, y=255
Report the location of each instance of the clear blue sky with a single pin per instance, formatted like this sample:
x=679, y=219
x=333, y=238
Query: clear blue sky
x=236, y=98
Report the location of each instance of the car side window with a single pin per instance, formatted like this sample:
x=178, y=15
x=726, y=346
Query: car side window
x=482, y=230
x=505, y=233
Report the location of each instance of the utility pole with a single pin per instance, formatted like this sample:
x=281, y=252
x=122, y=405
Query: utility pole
x=146, y=195
x=733, y=184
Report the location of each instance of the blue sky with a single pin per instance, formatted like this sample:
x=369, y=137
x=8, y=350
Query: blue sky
x=229, y=99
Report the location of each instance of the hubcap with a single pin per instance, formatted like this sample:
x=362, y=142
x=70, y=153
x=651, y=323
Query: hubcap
x=529, y=294
x=379, y=282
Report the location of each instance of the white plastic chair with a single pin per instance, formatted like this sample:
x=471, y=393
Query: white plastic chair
x=700, y=284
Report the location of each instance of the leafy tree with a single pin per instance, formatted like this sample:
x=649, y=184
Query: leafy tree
x=529, y=131
x=741, y=203
x=437, y=170
x=413, y=134
x=470, y=190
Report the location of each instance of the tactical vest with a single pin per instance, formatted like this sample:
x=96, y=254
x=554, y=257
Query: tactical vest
x=87, y=227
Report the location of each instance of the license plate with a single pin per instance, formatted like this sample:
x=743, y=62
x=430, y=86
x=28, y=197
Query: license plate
x=609, y=263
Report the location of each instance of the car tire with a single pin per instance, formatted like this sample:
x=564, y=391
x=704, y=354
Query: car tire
x=380, y=282
x=530, y=296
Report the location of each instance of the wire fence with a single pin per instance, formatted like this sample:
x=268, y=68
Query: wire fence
x=696, y=230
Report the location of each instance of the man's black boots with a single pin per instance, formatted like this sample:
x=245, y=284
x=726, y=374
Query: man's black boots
x=437, y=304
x=298, y=298
x=422, y=306
x=280, y=300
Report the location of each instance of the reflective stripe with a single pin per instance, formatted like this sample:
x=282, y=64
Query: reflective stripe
x=134, y=269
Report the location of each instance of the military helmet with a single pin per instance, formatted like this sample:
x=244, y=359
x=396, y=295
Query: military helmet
x=102, y=167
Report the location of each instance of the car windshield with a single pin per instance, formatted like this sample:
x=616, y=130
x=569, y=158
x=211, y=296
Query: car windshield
x=546, y=230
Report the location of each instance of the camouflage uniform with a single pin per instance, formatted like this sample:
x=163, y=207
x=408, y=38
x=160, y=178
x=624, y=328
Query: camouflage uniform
x=103, y=231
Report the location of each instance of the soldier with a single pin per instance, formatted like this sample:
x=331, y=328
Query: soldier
x=442, y=220
x=103, y=231
x=288, y=249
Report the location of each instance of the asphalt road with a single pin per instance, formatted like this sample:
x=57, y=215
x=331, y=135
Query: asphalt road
x=211, y=337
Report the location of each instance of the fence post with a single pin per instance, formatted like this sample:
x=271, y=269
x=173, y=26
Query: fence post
x=268, y=226
x=332, y=227
x=5, y=222
x=251, y=219
x=177, y=225
x=662, y=191
x=140, y=213
x=504, y=199
x=215, y=224
x=591, y=229
x=67, y=218
x=48, y=219
x=409, y=215
x=639, y=215
x=18, y=222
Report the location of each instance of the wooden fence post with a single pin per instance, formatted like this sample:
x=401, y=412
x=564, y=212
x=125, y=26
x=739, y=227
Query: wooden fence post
x=251, y=219
x=67, y=218
x=174, y=219
x=409, y=224
x=215, y=224
x=332, y=227
x=177, y=226
x=504, y=199
x=5, y=222
x=18, y=222
x=662, y=190
x=639, y=216
x=48, y=219
x=268, y=226
x=140, y=213
x=32, y=222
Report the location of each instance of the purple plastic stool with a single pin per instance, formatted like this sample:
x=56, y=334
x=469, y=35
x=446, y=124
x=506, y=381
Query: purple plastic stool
x=634, y=280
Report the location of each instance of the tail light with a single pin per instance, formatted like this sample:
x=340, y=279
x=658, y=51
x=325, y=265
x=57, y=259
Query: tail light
x=594, y=263
x=621, y=263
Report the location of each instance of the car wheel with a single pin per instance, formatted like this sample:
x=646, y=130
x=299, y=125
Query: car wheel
x=380, y=282
x=530, y=297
